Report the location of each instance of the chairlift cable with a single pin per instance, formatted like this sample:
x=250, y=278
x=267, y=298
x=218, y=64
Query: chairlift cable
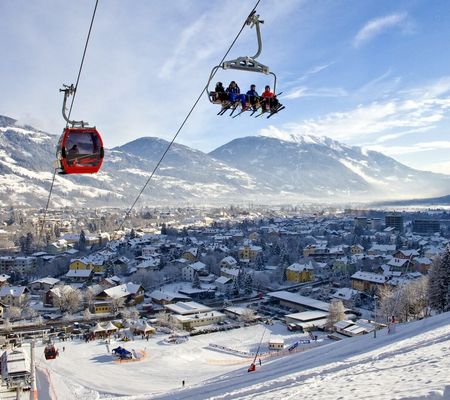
x=71, y=105
x=46, y=208
x=82, y=58
x=205, y=88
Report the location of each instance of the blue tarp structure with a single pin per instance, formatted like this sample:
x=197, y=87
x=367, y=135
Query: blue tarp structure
x=121, y=352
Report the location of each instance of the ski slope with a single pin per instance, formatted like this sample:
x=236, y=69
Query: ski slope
x=413, y=363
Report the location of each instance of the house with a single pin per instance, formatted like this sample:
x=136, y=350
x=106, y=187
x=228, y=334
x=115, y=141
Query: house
x=367, y=281
x=276, y=343
x=300, y=272
x=188, y=272
x=223, y=283
x=189, y=322
x=406, y=254
x=23, y=265
x=350, y=328
x=249, y=252
x=79, y=275
x=132, y=294
x=190, y=254
x=43, y=285
x=4, y=279
x=150, y=264
x=14, y=295
x=348, y=296
x=357, y=249
x=110, y=282
x=229, y=272
x=381, y=249
x=229, y=262
x=188, y=315
x=51, y=296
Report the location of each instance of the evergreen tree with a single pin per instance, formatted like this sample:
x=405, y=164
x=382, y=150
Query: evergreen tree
x=82, y=241
x=248, y=283
x=398, y=242
x=240, y=278
x=132, y=234
x=235, y=290
x=196, y=281
x=163, y=229
x=439, y=283
x=29, y=243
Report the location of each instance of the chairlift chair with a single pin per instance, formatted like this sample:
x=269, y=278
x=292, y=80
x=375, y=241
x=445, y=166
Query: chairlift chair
x=246, y=64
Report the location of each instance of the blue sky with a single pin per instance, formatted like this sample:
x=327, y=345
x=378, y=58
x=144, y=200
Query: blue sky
x=369, y=73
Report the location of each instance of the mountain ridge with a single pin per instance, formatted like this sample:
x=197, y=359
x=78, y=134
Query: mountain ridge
x=245, y=170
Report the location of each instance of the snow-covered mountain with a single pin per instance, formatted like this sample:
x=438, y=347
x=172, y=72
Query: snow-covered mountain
x=321, y=167
x=251, y=169
x=186, y=176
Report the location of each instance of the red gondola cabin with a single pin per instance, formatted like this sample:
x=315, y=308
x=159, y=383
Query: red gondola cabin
x=80, y=151
x=50, y=352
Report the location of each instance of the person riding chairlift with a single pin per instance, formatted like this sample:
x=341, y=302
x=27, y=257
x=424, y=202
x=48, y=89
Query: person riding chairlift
x=270, y=101
x=220, y=92
x=253, y=97
x=234, y=94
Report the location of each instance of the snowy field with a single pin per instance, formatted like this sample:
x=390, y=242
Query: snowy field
x=87, y=371
x=413, y=364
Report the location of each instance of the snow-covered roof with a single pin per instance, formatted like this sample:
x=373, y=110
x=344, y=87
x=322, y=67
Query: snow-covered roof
x=300, y=300
x=197, y=266
x=344, y=293
x=79, y=273
x=397, y=262
x=48, y=281
x=222, y=280
x=186, y=308
x=369, y=277
x=14, y=291
x=229, y=260
x=296, y=267
x=159, y=295
x=307, y=315
x=123, y=290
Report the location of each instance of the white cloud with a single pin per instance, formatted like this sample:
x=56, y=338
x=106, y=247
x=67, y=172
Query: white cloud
x=408, y=149
x=376, y=26
x=419, y=109
x=303, y=91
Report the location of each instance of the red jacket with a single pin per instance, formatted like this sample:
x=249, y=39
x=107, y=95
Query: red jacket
x=267, y=93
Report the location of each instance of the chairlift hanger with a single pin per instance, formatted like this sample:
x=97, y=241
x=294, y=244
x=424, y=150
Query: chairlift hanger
x=246, y=63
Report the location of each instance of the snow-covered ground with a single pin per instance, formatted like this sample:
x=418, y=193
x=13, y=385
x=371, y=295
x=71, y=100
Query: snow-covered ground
x=413, y=363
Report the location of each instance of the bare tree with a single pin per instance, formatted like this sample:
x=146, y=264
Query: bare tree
x=87, y=315
x=14, y=312
x=117, y=304
x=69, y=300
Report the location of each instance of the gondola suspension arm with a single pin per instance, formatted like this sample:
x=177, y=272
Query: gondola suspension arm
x=69, y=91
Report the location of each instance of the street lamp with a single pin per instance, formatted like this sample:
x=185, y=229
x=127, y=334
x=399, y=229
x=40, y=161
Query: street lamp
x=375, y=298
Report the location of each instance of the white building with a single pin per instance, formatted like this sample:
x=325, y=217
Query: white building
x=188, y=272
